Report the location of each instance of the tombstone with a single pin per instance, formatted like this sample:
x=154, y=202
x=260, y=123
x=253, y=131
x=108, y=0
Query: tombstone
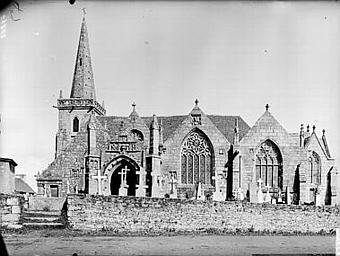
x=267, y=198
x=318, y=201
x=273, y=200
x=259, y=192
x=288, y=196
x=173, y=182
x=218, y=195
x=260, y=196
x=279, y=197
x=240, y=194
x=200, y=192
x=252, y=192
x=123, y=185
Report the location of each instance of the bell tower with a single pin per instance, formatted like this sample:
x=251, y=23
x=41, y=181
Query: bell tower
x=74, y=112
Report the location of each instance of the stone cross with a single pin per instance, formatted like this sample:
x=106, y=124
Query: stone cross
x=123, y=174
x=260, y=181
x=99, y=177
x=172, y=181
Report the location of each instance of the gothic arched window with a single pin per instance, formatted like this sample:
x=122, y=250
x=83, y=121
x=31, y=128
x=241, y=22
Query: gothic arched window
x=269, y=164
x=314, y=169
x=196, y=159
x=76, y=124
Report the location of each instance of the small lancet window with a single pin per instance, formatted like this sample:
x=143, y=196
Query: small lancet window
x=76, y=124
x=80, y=61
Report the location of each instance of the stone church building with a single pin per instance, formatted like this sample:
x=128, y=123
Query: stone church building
x=153, y=156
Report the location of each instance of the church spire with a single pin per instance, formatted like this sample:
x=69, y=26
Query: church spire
x=83, y=82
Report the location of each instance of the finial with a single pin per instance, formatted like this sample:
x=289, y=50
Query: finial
x=308, y=128
x=84, y=11
x=103, y=104
x=323, y=132
x=196, y=102
x=133, y=106
x=313, y=128
x=301, y=128
x=60, y=94
x=267, y=107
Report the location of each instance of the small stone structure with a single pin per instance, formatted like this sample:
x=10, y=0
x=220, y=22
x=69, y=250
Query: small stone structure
x=7, y=175
x=159, y=215
x=11, y=207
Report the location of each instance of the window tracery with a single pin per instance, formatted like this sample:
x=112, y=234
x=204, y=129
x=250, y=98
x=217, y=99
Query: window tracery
x=196, y=159
x=269, y=164
x=315, y=168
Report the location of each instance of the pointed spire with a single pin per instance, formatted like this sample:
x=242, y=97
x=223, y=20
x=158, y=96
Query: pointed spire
x=302, y=136
x=154, y=123
x=83, y=82
x=325, y=143
x=103, y=104
x=236, y=133
x=134, y=113
x=60, y=94
x=161, y=132
x=313, y=128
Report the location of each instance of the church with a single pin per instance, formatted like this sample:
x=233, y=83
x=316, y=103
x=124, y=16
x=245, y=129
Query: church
x=170, y=156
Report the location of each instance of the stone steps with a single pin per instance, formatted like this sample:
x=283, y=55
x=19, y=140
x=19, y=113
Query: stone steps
x=42, y=225
x=42, y=219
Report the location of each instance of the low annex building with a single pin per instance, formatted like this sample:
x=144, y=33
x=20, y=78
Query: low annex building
x=154, y=156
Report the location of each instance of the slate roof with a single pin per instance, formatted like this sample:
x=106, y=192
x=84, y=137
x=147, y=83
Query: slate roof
x=225, y=124
x=22, y=187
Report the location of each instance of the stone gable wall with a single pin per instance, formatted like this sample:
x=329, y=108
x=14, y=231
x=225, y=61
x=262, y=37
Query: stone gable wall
x=143, y=215
x=269, y=128
x=171, y=159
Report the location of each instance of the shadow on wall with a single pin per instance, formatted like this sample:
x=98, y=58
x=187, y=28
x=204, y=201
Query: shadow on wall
x=3, y=248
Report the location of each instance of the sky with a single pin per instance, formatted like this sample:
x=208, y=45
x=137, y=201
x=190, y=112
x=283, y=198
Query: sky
x=235, y=57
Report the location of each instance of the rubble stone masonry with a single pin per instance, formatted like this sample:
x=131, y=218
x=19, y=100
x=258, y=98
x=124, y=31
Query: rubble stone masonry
x=160, y=215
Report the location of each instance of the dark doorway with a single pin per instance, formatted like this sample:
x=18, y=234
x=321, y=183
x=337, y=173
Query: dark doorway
x=54, y=190
x=132, y=179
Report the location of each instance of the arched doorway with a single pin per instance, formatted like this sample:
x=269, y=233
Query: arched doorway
x=120, y=169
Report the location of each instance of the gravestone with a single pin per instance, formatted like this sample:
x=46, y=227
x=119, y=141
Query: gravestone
x=218, y=195
x=267, y=198
x=200, y=192
x=253, y=192
x=288, y=196
x=123, y=185
x=259, y=193
x=240, y=195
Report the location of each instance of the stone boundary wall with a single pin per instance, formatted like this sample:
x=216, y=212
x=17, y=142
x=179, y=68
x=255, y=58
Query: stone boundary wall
x=11, y=208
x=37, y=203
x=160, y=215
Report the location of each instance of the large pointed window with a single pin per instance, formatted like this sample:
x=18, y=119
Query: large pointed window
x=314, y=169
x=196, y=159
x=76, y=124
x=269, y=165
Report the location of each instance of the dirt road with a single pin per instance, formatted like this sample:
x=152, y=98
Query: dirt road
x=173, y=245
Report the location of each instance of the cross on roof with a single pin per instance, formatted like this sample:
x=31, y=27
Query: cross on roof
x=133, y=106
x=196, y=102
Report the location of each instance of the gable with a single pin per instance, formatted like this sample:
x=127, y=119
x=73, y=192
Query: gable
x=266, y=127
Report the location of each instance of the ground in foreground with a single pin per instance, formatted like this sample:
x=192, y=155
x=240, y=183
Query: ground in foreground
x=35, y=244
